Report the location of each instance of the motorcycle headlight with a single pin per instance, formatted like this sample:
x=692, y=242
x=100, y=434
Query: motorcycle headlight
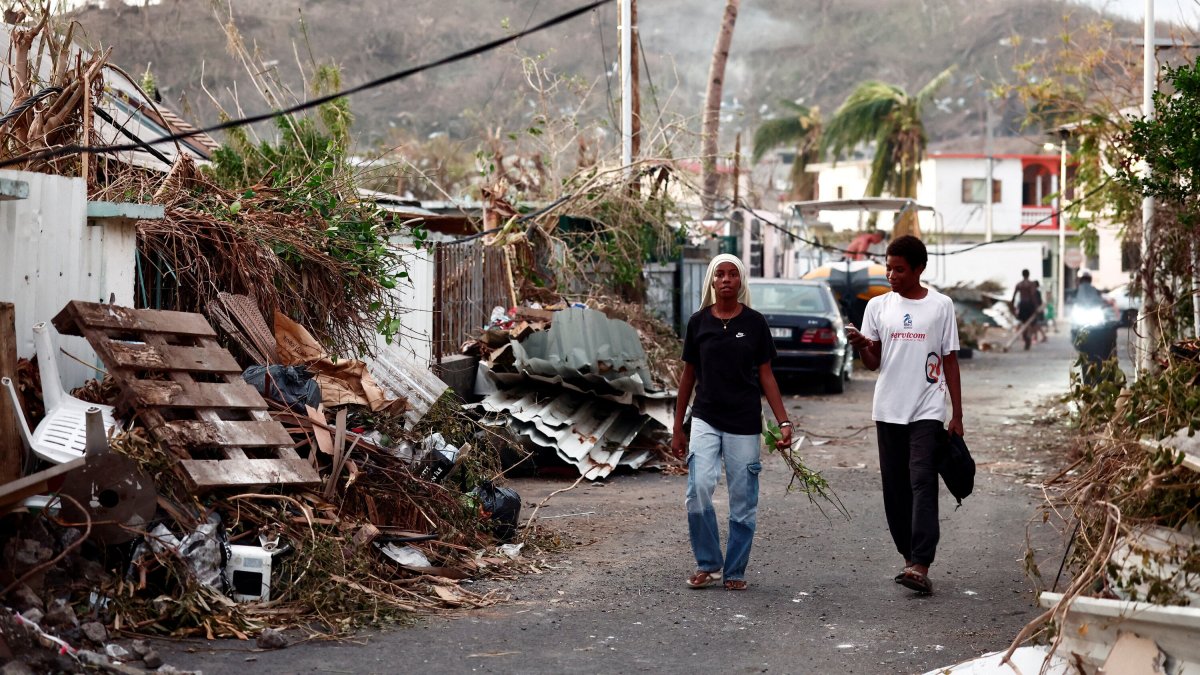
x=1087, y=316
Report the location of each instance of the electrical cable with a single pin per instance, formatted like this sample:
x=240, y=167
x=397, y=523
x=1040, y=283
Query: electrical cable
x=312, y=103
x=1025, y=229
x=28, y=103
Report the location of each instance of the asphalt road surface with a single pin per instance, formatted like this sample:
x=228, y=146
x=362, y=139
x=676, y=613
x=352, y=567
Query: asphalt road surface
x=821, y=597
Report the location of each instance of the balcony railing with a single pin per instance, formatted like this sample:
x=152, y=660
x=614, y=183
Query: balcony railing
x=1038, y=218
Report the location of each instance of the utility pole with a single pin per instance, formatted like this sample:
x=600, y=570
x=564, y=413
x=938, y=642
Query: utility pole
x=635, y=91
x=1059, y=202
x=1147, y=320
x=626, y=19
x=988, y=151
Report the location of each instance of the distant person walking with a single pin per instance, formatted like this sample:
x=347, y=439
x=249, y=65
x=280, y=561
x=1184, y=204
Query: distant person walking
x=1028, y=298
x=910, y=335
x=727, y=352
x=1039, y=323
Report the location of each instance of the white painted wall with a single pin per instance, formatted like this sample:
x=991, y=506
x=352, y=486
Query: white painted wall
x=941, y=187
x=1108, y=274
x=49, y=255
x=1001, y=263
x=416, y=295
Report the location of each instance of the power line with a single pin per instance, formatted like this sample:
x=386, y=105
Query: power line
x=1025, y=229
x=263, y=117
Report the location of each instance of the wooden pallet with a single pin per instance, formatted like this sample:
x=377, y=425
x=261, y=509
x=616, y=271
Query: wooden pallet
x=189, y=392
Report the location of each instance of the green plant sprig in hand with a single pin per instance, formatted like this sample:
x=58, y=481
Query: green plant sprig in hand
x=810, y=482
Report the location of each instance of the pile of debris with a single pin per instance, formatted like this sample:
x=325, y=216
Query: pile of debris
x=211, y=497
x=1134, y=492
x=574, y=384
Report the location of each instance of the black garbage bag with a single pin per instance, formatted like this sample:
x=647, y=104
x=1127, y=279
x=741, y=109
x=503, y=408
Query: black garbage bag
x=501, y=506
x=955, y=465
x=292, y=386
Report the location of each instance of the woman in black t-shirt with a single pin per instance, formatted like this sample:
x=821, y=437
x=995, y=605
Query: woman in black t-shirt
x=727, y=354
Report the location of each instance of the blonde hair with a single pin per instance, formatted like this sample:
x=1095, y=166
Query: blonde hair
x=709, y=296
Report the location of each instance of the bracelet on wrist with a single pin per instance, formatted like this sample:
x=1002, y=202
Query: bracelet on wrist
x=785, y=423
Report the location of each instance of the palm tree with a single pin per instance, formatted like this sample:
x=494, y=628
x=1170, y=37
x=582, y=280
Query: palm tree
x=890, y=118
x=711, y=125
x=800, y=129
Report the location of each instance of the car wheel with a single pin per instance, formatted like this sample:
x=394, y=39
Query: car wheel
x=835, y=383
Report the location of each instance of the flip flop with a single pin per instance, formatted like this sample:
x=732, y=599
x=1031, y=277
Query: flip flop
x=702, y=579
x=914, y=580
x=735, y=584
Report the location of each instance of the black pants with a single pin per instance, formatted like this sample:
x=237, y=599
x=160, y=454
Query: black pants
x=908, y=465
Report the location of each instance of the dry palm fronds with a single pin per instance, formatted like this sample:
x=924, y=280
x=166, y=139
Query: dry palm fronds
x=258, y=244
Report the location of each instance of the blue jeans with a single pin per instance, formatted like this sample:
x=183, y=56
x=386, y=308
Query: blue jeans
x=707, y=448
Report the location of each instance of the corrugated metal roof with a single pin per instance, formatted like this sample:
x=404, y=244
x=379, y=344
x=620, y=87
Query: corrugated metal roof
x=587, y=432
x=586, y=350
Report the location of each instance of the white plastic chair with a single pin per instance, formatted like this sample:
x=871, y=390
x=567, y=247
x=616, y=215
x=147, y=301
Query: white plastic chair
x=62, y=434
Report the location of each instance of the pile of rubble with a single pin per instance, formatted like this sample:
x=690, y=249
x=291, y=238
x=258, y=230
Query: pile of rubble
x=198, y=493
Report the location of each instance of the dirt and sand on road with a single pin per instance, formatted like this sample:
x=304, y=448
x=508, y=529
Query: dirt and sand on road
x=821, y=596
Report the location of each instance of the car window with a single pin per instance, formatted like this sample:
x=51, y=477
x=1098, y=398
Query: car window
x=777, y=298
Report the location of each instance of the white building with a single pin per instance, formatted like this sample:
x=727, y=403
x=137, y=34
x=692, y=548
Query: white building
x=955, y=185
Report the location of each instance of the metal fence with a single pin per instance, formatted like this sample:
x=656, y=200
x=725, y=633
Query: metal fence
x=469, y=280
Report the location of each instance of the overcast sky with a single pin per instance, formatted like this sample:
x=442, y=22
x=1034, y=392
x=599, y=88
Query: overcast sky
x=1185, y=12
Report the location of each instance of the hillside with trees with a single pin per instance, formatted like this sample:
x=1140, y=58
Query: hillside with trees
x=812, y=52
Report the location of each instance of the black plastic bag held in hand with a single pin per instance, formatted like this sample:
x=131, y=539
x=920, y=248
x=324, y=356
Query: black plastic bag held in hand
x=500, y=505
x=955, y=465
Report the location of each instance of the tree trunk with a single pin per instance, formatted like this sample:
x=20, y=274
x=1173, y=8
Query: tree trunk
x=712, y=109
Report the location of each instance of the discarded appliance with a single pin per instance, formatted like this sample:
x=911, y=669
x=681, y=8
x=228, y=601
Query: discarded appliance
x=248, y=573
x=1147, y=564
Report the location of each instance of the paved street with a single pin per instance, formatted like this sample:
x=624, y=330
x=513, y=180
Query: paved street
x=821, y=596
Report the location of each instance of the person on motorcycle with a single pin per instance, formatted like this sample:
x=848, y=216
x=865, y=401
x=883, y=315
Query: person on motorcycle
x=1093, y=332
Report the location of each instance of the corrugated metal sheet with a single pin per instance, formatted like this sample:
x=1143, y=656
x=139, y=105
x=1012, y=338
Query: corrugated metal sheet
x=403, y=375
x=589, y=433
x=49, y=255
x=587, y=350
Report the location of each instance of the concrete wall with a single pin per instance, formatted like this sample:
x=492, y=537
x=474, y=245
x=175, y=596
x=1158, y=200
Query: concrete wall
x=49, y=255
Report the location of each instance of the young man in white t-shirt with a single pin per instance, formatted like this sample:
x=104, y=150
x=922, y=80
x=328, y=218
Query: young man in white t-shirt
x=911, y=336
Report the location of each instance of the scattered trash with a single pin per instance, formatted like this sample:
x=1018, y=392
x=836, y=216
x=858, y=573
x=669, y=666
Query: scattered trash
x=501, y=506
x=511, y=550
x=408, y=556
x=202, y=549
x=293, y=386
x=271, y=639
